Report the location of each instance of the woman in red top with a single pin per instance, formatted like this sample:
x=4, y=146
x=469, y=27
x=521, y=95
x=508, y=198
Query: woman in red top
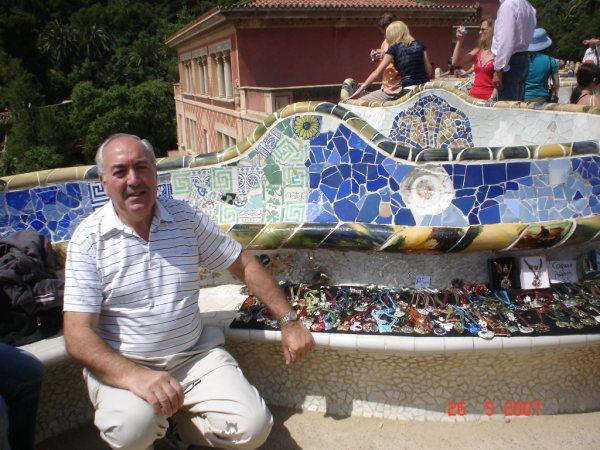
x=482, y=59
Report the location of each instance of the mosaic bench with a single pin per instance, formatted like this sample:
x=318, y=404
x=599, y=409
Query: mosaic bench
x=434, y=183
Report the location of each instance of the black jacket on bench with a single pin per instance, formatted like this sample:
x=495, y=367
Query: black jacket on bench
x=30, y=290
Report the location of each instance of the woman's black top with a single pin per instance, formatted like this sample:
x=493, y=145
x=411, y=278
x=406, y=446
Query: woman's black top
x=409, y=60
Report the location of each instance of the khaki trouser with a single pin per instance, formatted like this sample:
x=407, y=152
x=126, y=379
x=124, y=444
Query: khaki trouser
x=221, y=410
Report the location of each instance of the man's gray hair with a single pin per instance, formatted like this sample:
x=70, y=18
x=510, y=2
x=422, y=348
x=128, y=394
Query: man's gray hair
x=100, y=153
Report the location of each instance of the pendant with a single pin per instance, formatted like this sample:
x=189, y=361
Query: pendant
x=440, y=331
x=525, y=329
x=589, y=322
x=536, y=281
x=370, y=327
x=399, y=313
x=486, y=334
x=406, y=329
x=356, y=326
x=447, y=326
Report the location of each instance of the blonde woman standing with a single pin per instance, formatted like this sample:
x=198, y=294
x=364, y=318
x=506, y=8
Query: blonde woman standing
x=409, y=57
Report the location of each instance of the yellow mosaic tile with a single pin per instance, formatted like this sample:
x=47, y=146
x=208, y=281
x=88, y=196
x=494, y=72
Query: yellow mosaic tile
x=550, y=151
x=496, y=236
x=21, y=181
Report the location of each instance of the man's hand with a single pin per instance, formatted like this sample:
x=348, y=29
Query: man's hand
x=497, y=80
x=296, y=340
x=161, y=390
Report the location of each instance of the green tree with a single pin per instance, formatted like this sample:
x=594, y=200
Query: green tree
x=58, y=42
x=146, y=110
x=108, y=56
x=568, y=24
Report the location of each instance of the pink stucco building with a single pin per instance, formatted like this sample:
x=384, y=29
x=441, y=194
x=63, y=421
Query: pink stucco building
x=240, y=63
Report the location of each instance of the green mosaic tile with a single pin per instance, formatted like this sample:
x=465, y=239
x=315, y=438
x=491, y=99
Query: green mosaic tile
x=173, y=163
x=396, y=243
x=272, y=173
x=475, y=153
x=181, y=184
x=290, y=151
x=472, y=232
x=226, y=213
x=222, y=179
x=272, y=236
x=296, y=176
x=586, y=229
x=285, y=128
x=258, y=132
x=309, y=235
x=402, y=152
x=294, y=212
x=269, y=120
x=325, y=107
x=204, y=159
x=244, y=233
x=352, y=236
x=433, y=154
x=387, y=146
x=446, y=238
x=513, y=152
x=273, y=200
x=91, y=173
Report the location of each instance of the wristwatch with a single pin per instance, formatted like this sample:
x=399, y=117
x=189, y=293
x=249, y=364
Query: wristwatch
x=289, y=317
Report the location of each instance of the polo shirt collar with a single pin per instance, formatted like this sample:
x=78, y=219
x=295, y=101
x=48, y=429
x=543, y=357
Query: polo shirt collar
x=110, y=221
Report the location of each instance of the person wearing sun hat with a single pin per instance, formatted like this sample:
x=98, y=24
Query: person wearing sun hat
x=542, y=68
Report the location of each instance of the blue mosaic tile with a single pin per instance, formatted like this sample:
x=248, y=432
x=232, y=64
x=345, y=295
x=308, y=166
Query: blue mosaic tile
x=47, y=210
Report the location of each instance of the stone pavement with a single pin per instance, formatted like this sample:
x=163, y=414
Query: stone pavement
x=305, y=430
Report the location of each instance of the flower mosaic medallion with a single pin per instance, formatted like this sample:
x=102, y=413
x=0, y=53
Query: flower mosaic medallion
x=432, y=123
x=307, y=126
x=427, y=190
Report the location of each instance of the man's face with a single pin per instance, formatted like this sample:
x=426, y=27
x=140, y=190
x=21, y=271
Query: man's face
x=129, y=179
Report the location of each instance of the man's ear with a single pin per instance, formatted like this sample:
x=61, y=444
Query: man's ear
x=102, y=181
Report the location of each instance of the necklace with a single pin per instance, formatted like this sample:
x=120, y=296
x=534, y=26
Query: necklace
x=536, y=270
x=504, y=271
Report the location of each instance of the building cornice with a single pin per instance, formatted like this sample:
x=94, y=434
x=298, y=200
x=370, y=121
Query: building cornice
x=248, y=18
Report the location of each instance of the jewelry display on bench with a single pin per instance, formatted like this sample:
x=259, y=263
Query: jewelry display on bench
x=534, y=272
x=461, y=310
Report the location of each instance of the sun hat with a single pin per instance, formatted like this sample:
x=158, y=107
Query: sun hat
x=540, y=41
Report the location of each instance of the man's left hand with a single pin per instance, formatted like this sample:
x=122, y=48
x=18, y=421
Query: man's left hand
x=296, y=340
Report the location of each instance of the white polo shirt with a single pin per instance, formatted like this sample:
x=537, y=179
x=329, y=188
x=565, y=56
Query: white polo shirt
x=146, y=293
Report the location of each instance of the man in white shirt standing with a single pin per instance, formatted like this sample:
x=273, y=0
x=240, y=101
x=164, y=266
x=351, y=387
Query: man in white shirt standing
x=513, y=32
x=132, y=320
